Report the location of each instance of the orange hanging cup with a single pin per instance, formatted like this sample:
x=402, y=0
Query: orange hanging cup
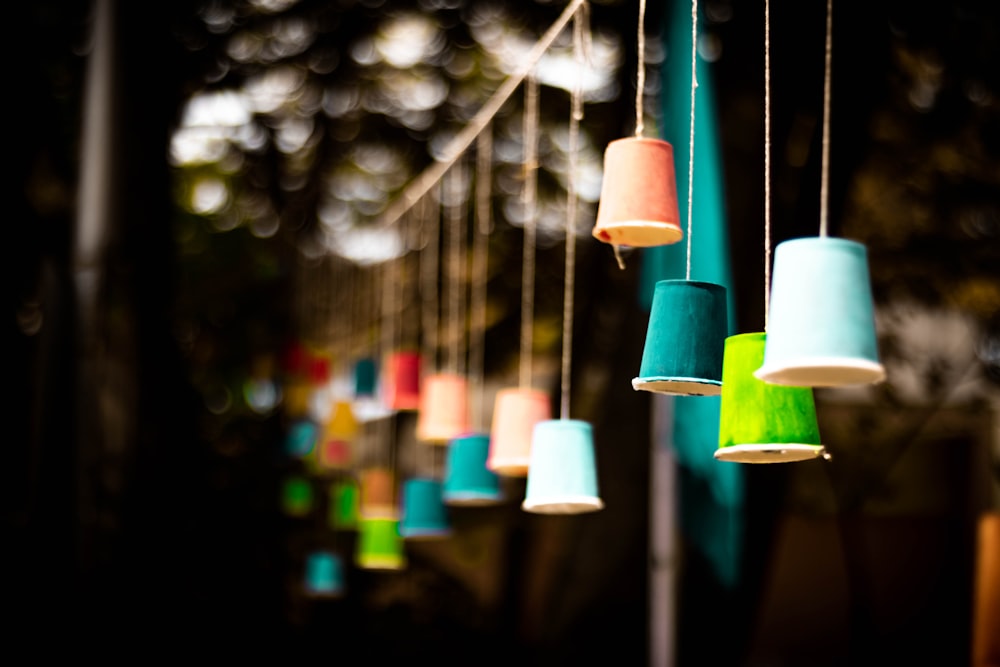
x=444, y=408
x=638, y=204
x=515, y=414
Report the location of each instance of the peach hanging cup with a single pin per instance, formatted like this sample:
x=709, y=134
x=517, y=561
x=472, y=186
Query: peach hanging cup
x=515, y=413
x=378, y=493
x=638, y=204
x=444, y=408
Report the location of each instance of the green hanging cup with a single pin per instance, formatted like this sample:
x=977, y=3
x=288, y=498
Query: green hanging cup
x=345, y=500
x=761, y=422
x=379, y=546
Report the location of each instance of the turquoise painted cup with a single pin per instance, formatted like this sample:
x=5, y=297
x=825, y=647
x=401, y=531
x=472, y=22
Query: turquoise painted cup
x=761, y=422
x=821, y=328
x=467, y=480
x=423, y=515
x=324, y=574
x=685, y=339
x=562, y=475
x=379, y=545
x=301, y=438
x=365, y=375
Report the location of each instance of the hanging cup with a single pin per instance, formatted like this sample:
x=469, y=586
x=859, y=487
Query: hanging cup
x=423, y=515
x=444, y=408
x=467, y=480
x=515, y=413
x=761, y=422
x=821, y=331
x=365, y=374
x=685, y=339
x=324, y=575
x=344, y=504
x=378, y=493
x=563, y=476
x=379, y=545
x=638, y=205
x=401, y=381
x=296, y=496
x=301, y=438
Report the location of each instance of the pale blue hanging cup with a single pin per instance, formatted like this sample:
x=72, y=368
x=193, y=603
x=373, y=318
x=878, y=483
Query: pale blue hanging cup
x=423, y=515
x=467, y=480
x=562, y=474
x=821, y=328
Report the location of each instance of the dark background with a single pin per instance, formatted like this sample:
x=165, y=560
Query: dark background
x=134, y=513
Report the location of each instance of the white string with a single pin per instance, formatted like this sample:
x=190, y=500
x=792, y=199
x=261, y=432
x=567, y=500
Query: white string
x=529, y=198
x=455, y=278
x=576, y=115
x=694, y=86
x=826, y=121
x=640, y=78
x=430, y=222
x=480, y=269
x=767, y=160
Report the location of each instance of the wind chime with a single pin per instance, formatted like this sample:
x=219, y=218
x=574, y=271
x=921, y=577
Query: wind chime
x=761, y=422
x=823, y=332
x=688, y=324
x=422, y=511
x=518, y=409
x=467, y=480
x=379, y=544
x=562, y=473
x=444, y=402
x=638, y=205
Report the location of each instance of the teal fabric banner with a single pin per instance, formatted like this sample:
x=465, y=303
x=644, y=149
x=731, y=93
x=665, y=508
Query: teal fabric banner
x=712, y=492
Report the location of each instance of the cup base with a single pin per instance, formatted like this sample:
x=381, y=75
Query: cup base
x=822, y=372
x=509, y=467
x=425, y=534
x=770, y=453
x=381, y=563
x=638, y=233
x=563, y=505
x=472, y=499
x=678, y=386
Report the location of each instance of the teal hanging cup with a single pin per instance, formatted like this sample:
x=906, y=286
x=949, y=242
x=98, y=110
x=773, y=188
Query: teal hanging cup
x=467, y=480
x=821, y=328
x=423, y=515
x=761, y=422
x=562, y=474
x=324, y=575
x=685, y=339
x=365, y=375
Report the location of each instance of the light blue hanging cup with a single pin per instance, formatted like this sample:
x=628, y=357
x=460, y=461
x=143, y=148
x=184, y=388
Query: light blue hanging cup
x=562, y=475
x=467, y=480
x=821, y=329
x=685, y=339
x=324, y=575
x=424, y=515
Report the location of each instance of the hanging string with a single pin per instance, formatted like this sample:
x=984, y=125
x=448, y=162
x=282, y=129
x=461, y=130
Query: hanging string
x=457, y=146
x=640, y=77
x=529, y=196
x=694, y=86
x=480, y=269
x=576, y=115
x=389, y=281
x=826, y=120
x=455, y=230
x=767, y=161
x=430, y=223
